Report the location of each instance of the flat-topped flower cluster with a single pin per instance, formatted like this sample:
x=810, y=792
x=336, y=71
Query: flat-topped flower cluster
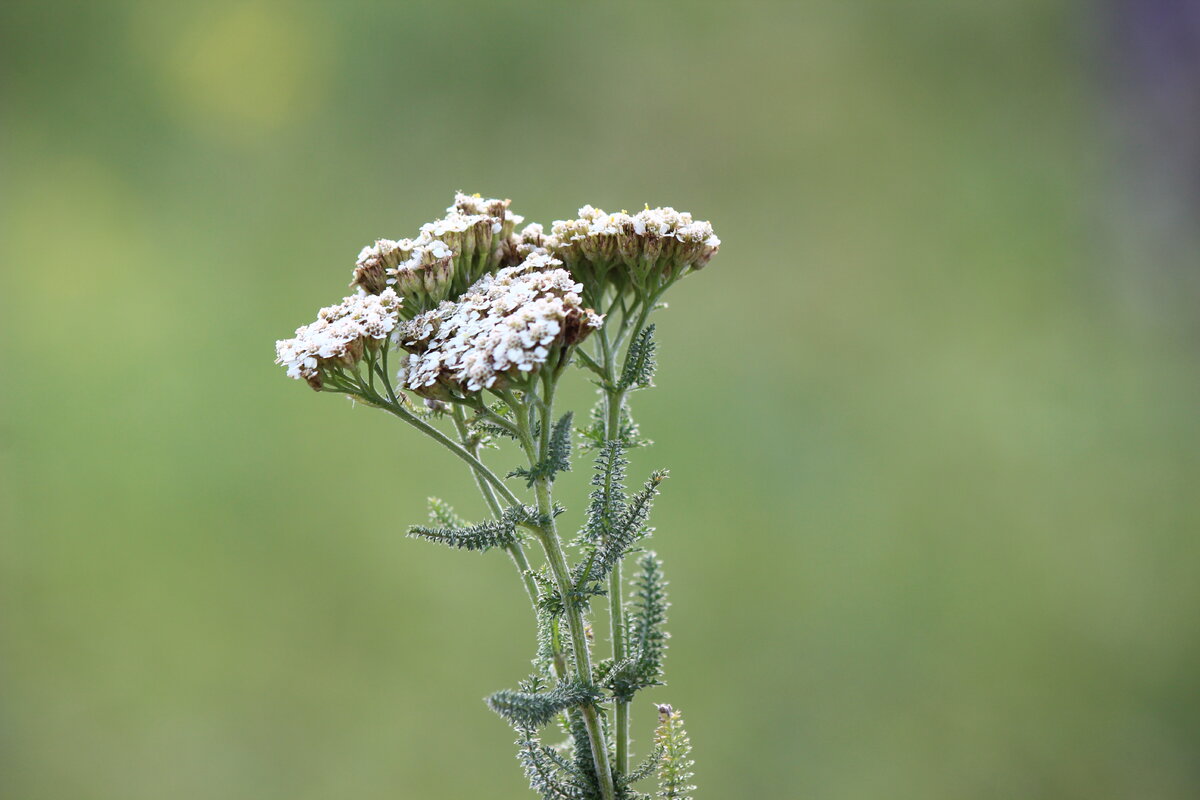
x=507, y=323
x=446, y=256
x=473, y=301
x=655, y=247
x=339, y=335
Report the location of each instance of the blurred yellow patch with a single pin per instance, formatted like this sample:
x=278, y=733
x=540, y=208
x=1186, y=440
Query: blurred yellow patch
x=73, y=222
x=245, y=70
x=84, y=249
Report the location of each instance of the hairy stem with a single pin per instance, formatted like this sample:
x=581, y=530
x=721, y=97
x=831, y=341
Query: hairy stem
x=557, y=561
x=616, y=602
x=461, y=452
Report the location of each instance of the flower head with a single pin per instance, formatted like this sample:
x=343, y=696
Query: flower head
x=447, y=255
x=647, y=250
x=489, y=207
x=505, y=326
x=339, y=336
x=374, y=261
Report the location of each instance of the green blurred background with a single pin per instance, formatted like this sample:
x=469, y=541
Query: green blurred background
x=931, y=414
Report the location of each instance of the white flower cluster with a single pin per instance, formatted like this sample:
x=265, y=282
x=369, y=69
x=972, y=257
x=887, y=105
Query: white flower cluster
x=447, y=255
x=491, y=207
x=339, y=335
x=655, y=239
x=532, y=240
x=507, y=323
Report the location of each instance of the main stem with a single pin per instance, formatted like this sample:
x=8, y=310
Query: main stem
x=557, y=561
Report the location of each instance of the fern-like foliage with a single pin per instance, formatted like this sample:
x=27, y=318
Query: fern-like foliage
x=534, y=709
x=551, y=600
x=623, y=525
x=642, y=771
x=550, y=775
x=558, y=454
x=675, y=768
x=647, y=636
x=608, y=495
x=647, y=614
x=639, y=367
x=482, y=536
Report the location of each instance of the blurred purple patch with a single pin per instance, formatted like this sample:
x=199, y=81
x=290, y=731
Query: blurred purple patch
x=1156, y=55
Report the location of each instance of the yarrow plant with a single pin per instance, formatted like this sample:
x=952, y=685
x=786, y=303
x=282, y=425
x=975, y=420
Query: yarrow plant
x=464, y=333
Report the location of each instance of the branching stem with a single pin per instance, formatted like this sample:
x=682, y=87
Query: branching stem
x=557, y=562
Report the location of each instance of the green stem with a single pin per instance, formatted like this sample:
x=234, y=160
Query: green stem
x=514, y=550
x=614, y=399
x=616, y=604
x=557, y=561
x=647, y=307
x=590, y=362
x=454, y=447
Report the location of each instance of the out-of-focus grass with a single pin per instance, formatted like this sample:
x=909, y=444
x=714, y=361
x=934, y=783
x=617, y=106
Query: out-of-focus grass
x=931, y=525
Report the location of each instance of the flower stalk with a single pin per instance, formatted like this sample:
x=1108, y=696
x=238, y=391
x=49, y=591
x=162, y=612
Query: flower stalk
x=479, y=322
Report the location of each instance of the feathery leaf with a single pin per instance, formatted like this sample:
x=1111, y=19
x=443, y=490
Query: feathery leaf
x=535, y=709
x=647, y=613
x=623, y=532
x=646, y=768
x=648, y=616
x=638, y=370
x=545, y=769
x=482, y=536
x=558, y=454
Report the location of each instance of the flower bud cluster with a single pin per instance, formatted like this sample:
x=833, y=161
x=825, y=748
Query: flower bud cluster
x=505, y=326
x=339, y=336
x=474, y=205
x=447, y=256
x=646, y=251
x=531, y=240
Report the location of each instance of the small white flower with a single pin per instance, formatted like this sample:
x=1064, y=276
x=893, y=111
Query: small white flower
x=506, y=323
x=339, y=333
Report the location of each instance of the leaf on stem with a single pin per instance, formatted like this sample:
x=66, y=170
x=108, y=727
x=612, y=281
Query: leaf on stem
x=639, y=367
x=482, y=536
x=558, y=454
x=620, y=528
x=646, y=768
x=550, y=775
x=647, y=614
x=536, y=709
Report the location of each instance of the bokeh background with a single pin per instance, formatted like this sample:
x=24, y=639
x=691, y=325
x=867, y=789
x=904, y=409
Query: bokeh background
x=931, y=414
